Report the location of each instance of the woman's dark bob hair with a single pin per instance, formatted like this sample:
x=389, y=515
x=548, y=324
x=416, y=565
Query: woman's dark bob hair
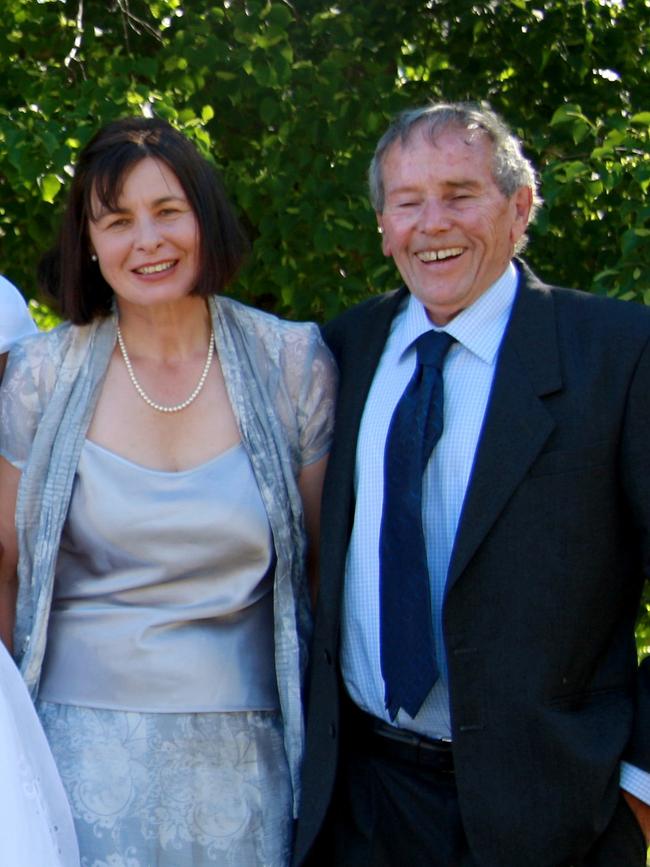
x=68, y=275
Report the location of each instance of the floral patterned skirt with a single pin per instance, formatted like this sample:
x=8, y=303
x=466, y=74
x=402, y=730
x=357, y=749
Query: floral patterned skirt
x=173, y=789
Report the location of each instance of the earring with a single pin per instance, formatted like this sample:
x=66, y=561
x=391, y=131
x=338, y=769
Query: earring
x=93, y=257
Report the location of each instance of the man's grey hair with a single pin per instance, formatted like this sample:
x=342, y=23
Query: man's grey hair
x=510, y=168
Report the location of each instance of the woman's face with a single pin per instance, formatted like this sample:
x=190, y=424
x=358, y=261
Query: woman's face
x=148, y=246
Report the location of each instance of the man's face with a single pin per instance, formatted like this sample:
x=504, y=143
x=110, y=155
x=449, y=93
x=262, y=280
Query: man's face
x=448, y=227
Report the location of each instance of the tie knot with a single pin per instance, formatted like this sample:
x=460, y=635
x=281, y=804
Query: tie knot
x=432, y=346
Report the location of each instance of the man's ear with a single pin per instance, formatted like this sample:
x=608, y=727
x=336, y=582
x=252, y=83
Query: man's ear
x=385, y=245
x=522, y=200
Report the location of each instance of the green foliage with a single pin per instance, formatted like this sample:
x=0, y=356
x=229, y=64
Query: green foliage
x=289, y=98
x=44, y=318
x=643, y=626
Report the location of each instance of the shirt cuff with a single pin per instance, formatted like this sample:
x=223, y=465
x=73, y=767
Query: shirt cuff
x=635, y=781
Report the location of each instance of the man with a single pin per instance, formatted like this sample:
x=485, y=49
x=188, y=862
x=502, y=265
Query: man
x=516, y=734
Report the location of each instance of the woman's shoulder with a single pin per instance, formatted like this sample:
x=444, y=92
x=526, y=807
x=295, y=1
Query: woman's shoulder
x=276, y=334
x=44, y=346
x=35, y=362
x=263, y=319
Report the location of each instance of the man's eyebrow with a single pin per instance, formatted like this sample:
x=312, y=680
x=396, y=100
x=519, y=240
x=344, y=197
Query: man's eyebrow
x=409, y=189
x=403, y=188
x=463, y=182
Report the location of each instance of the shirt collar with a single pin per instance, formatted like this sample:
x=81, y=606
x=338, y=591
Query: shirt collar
x=479, y=328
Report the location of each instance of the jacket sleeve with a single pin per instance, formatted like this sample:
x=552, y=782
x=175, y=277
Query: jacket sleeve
x=635, y=475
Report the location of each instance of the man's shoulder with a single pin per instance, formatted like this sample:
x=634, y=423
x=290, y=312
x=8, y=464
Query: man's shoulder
x=374, y=312
x=589, y=310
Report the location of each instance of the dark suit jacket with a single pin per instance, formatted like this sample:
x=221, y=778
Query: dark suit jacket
x=544, y=582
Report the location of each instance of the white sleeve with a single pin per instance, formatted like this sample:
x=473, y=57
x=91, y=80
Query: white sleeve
x=15, y=321
x=635, y=781
x=36, y=825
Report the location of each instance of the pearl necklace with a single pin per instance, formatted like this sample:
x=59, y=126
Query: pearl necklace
x=145, y=397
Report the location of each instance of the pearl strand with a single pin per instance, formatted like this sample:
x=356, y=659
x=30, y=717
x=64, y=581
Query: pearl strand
x=145, y=397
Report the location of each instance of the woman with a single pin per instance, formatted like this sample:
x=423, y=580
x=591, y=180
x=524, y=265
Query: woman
x=167, y=450
x=15, y=320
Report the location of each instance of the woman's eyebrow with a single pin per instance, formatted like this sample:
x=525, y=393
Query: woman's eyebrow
x=117, y=209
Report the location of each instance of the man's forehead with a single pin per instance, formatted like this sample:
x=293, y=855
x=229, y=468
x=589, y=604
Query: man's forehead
x=452, y=135
x=454, y=156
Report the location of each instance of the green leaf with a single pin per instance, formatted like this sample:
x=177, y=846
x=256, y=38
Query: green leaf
x=566, y=114
x=278, y=14
x=50, y=186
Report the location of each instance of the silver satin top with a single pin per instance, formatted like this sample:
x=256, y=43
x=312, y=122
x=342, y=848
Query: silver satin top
x=163, y=589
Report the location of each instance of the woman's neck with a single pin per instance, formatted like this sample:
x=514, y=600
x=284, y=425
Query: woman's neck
x=169, y=331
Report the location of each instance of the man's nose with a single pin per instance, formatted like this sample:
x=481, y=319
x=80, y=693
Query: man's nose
x=434, y=216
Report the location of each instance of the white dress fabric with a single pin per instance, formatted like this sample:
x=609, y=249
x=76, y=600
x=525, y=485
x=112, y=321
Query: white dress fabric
x=15, y=321
x=36, y=828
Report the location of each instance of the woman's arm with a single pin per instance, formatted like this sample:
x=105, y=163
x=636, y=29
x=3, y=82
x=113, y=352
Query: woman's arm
x=9, y=478
x=310, y=484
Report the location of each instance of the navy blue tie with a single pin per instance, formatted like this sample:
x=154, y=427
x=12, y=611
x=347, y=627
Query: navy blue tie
x=408, y=658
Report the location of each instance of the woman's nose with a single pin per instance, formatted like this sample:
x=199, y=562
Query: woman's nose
x=147, y=234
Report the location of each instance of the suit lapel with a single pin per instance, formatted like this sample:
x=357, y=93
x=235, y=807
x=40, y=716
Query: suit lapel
x=358, y=364
x=358, y=360
x=517, y=424
x=357, y=375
